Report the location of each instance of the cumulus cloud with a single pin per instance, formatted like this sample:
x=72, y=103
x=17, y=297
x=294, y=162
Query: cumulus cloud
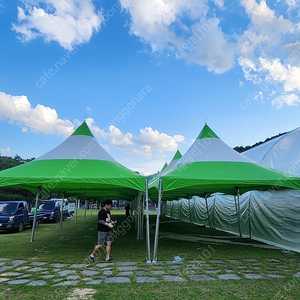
x=158, y=141
x=290, y=100
x=68, y=22
x=43, y=119
x=5, y=151
x=144, y=144
x=288, y=76
x=212, y=49
x=163, y=25
x=267, y=55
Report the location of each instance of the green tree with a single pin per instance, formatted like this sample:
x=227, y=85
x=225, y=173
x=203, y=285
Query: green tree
x=11, y=193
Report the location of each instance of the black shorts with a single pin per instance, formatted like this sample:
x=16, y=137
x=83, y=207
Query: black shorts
x=104, y=237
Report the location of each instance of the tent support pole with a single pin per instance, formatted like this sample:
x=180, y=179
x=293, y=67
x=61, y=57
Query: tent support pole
x=157, y=222
x=190, y=209
x=249, y=215
x=62, y=212
x=35, y=212
x=238, y=198
x=142, y=215
x=207, y=210
x=139, y=214
x=147, y=225
x=237, y=208
x=76, y=210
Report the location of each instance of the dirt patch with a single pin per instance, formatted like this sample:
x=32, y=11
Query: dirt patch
x=82, y=294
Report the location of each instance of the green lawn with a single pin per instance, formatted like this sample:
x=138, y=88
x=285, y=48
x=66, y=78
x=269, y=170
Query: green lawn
x=75, y=242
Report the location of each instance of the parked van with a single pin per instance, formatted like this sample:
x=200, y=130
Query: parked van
x=70, y=207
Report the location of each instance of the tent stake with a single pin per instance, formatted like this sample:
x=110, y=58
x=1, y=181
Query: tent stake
x=157, y=223
x=35, y=212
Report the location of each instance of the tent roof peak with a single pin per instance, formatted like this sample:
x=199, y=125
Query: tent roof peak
x=83, y=129
x=207, y=132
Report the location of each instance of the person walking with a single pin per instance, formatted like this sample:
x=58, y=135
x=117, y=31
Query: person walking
x=127, y=210
x=105, y=224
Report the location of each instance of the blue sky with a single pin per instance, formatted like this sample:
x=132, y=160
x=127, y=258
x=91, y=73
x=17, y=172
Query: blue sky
x=146, y=76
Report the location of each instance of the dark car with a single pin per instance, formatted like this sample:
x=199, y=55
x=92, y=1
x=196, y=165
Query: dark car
x=51, y=211
x=14, y=215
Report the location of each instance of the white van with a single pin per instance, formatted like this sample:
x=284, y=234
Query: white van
x=71, y=207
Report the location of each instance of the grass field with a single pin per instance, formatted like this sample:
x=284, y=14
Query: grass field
x=75, y=242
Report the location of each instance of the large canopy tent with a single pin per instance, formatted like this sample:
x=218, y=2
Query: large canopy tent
x=281, y=153
x=211, y=166
x=77, y=166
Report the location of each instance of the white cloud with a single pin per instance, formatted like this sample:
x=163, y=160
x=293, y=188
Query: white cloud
x=212, y=49
x=267, y=56
x=158, y=141
x=40, y=118
x=163, y=25
x=144, y=144
x=288, y=76
x=290, y=100
x=264, y=19
x=68, y=22
x=5, y=151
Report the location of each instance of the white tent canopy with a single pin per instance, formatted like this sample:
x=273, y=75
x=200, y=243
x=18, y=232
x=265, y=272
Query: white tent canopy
x=281, y=153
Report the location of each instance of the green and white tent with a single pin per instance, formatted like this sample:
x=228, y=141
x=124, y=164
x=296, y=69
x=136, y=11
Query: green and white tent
x=78, y=164
x=211, y=166
x=155, y=179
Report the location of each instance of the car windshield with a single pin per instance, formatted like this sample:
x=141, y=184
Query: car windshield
x=47, y=205
x=8, y=207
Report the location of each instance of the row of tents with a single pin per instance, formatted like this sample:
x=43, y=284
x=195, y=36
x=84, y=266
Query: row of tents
x=81, y=167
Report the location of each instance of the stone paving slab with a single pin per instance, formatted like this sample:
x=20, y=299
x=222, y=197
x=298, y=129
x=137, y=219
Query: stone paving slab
x=254, y=276
x=173, y=278
x=146, y=279
x=275, y=276
x=95, y=281
x=117, y=279
x=128, y=263
x=67, y=283
x=37, y=263
x=127, y=268
x=37, y=283
x=18, y=281
x=228, y=276
x=158, y=272
x=128, y=273
x=58, y=266
x=201, y=277
x=89, y=273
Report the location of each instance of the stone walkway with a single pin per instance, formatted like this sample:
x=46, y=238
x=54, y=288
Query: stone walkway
x=58, y=274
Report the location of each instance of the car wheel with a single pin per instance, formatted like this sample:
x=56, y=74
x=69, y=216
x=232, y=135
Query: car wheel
x=21, y=227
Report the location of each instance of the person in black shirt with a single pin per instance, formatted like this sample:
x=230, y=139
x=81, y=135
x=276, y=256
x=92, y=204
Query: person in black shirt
x=105, y=224
x=127, y=210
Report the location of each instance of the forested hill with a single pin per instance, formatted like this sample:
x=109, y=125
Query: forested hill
x=241, y=149
x=10, y=193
